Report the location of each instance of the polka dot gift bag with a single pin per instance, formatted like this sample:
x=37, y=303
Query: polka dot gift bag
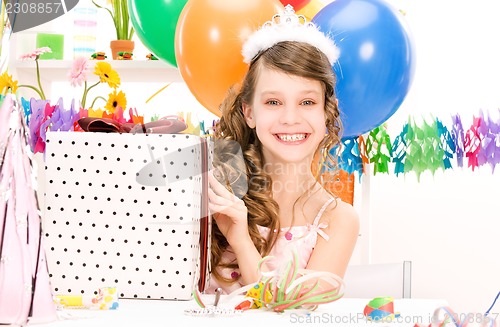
x=126, y=211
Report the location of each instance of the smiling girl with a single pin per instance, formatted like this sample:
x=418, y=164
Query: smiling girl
x=284, y=116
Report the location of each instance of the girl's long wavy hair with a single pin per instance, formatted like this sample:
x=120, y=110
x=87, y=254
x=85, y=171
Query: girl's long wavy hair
x=293, y=58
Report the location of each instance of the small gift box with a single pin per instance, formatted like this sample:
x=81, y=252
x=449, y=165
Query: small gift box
x=128, y=211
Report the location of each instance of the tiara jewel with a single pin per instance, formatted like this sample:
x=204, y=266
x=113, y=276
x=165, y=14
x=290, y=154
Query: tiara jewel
x=288, y=26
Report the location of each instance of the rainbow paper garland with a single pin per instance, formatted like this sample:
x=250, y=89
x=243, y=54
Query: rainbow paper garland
x=428, y=146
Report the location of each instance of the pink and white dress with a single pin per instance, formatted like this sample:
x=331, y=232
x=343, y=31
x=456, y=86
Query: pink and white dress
x=299, y=239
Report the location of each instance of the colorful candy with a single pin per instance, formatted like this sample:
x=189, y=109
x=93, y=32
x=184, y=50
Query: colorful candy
x=106, y=299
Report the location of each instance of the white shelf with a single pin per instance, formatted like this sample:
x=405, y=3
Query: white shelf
x=147, y=71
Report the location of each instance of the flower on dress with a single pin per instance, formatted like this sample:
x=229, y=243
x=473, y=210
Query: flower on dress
x=116, y=100
x=7, y=83
x=78, y=74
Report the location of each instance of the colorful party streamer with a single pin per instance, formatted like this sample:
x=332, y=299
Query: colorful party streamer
x=472, y=143
x=379, y=149
x=293, y=288
x=458, y=136
x=427, y=146
x=399, y=148
x=489, y=132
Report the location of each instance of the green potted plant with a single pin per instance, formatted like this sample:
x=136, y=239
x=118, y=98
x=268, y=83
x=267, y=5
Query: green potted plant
x=123, y=25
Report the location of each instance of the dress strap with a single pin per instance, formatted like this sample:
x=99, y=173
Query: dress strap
x=323, y=208
x=317, y=227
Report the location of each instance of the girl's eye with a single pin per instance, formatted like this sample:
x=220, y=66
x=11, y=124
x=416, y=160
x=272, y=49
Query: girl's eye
x=307, y=102
x=273, y=102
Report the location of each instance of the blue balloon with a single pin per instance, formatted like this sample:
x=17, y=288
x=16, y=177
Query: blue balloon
x=376, y=64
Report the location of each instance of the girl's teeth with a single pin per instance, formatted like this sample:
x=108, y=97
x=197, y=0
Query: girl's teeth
x=292, y=137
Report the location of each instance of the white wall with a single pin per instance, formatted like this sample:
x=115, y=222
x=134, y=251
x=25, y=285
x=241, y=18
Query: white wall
x=447, y=224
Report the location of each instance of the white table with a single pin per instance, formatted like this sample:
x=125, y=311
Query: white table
x=151, y=313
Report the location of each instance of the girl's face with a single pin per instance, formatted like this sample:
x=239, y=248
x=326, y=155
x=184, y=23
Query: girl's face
x=288, y=114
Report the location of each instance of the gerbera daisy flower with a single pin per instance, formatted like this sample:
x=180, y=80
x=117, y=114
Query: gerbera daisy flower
x=36, y=53
x=116, y=100
x=107, y=74
x=6, y=83
x=78, y=73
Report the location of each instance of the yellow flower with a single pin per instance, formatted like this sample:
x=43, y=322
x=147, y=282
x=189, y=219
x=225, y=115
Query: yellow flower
x=107, y=74
x=7, y=83
x=116, y=100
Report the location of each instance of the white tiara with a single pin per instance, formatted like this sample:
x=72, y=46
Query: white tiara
x=288, y=27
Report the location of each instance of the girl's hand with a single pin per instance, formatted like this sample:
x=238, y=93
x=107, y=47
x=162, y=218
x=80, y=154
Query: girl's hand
x=230, y=212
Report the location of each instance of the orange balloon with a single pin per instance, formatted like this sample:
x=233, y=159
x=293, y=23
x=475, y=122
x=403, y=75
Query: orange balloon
x=311, y=9
x=208, y=41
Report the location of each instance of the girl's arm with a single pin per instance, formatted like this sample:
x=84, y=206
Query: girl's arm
x=343, y=229
x=231, y=214
x=248, y=261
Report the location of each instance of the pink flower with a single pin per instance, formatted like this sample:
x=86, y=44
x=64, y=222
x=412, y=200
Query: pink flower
x=35, y=54
x=42, y=50
x=78, y=73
